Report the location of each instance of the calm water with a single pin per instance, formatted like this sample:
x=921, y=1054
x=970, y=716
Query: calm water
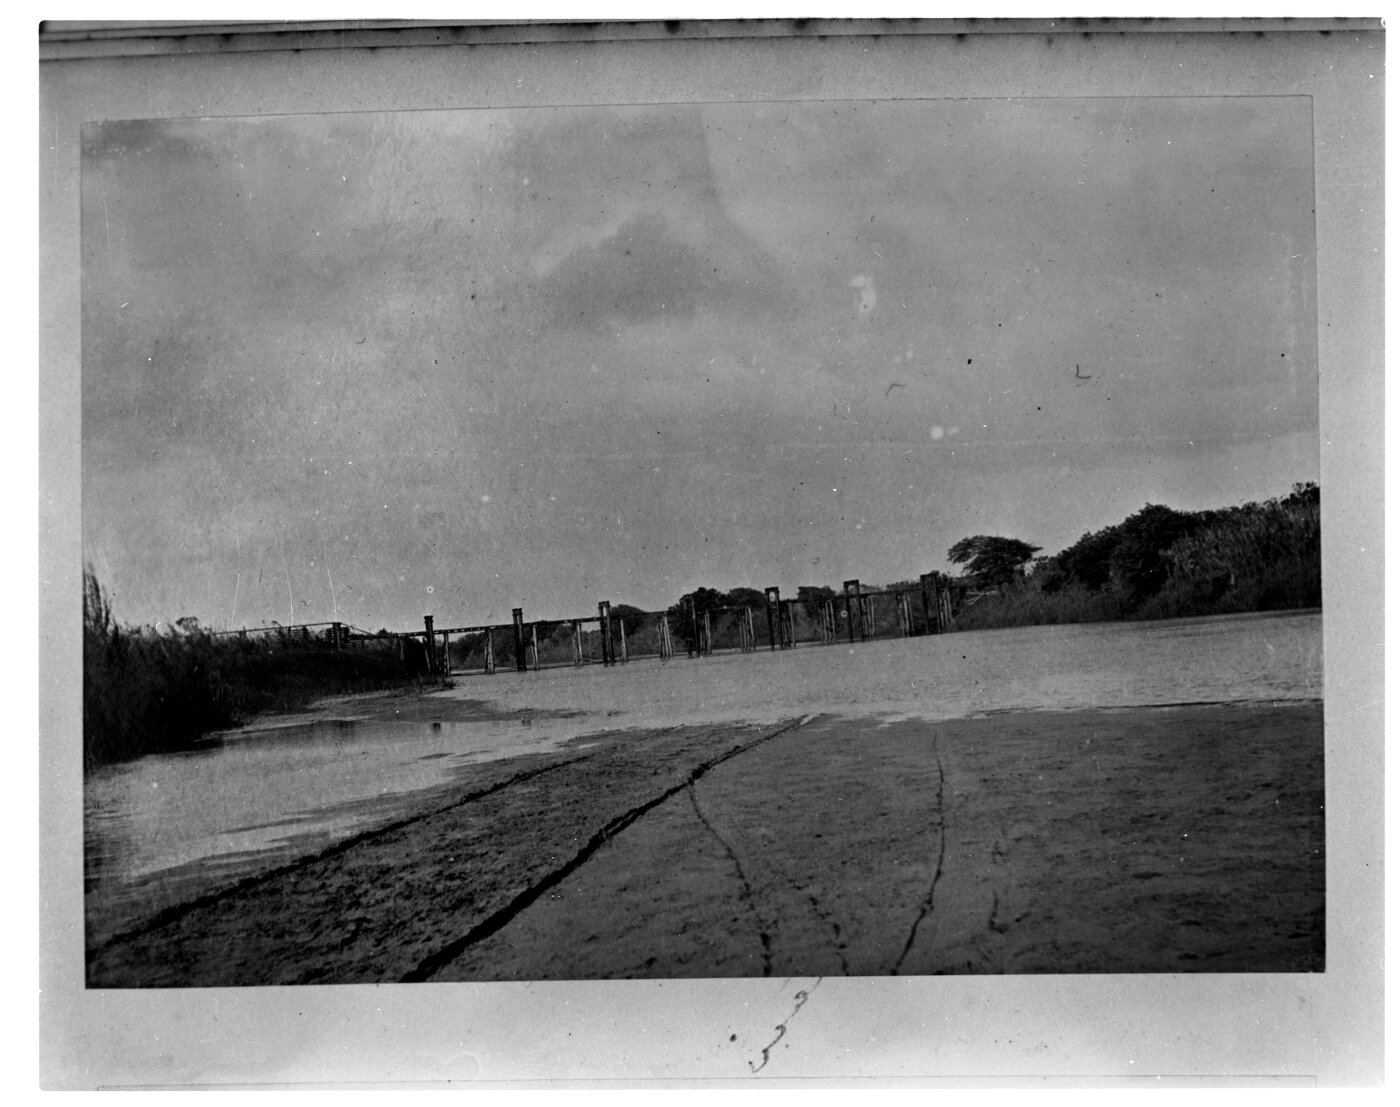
x=162, y=825
x=1222, y=659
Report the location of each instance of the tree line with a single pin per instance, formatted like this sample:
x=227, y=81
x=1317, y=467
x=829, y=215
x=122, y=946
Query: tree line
x=1157, y=563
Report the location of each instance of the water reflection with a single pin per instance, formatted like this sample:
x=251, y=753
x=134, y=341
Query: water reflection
x=248, y=800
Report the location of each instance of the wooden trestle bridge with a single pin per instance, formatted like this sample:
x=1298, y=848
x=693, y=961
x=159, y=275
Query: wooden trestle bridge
x=609, y=638
x=615, y=637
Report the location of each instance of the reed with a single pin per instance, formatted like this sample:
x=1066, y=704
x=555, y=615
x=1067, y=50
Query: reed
x=147, y=691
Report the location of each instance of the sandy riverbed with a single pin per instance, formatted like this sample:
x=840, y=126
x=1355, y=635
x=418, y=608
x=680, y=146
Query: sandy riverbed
x=1139, y=840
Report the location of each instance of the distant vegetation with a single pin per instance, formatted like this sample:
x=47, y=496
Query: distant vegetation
x=146, y=691
x=1160, y=564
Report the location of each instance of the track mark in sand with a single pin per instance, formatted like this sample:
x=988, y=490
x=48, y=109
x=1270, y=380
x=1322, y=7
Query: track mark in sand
x=993, y=923
x=499, y=919
x=749, y=897
x=801, y=997
x=926, y=907
x=179, y=910
x=822, y=916
x=838, y=946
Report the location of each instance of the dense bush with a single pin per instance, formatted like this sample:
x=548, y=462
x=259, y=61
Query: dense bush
x=1259, y=557
x=1160, y=564
x=1029, y=605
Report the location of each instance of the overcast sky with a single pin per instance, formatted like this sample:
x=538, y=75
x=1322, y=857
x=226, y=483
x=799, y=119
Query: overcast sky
x=370, y=367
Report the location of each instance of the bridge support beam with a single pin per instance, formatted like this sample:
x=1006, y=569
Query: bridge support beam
x=851, y=588
x=517, y=616
x=605, y=630
x=771, y=598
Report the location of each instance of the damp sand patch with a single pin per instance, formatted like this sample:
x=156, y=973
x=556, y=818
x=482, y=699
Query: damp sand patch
x=1156, y=840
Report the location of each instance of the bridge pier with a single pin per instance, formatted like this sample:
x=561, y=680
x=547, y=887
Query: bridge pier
x=605, y=630
x=517, y=616
x=851, y=588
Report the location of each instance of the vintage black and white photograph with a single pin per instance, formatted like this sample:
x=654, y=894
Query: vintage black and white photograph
x=721, y=540
x=764, y=538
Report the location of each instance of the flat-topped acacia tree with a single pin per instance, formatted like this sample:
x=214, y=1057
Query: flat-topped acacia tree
x=992, y=561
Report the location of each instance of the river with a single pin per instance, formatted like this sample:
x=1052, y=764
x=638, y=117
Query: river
x=160, y=828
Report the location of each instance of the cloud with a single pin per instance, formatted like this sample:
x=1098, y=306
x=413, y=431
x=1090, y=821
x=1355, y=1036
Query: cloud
x=647, y=271
x=360, y=324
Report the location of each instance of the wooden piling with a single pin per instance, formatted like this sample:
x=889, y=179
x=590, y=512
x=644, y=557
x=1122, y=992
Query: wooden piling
x=665, y=637
x=851, y=589
x=709, y=644
x=428, y=643
x=622, y=638
x=578, y=644
x=490, y=667
x=517, y=618
x=535, y=645
x=605, y=630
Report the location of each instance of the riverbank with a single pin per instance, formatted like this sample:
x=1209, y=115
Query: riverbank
x=1171, y=839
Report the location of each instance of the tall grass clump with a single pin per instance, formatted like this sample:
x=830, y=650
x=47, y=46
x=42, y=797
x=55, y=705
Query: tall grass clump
x=148, y=691
x=143, y=692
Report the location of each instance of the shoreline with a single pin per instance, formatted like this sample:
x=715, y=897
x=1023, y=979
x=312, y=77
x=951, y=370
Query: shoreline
x=1013, y=842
